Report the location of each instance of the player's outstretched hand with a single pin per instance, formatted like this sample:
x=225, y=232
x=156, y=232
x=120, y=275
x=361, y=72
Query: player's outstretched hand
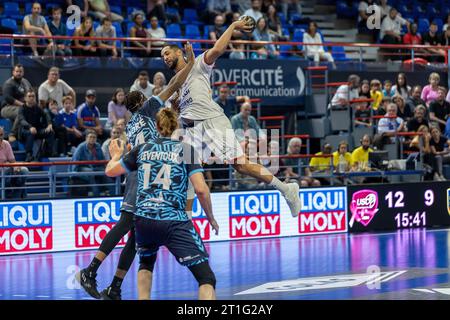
x=214, y=225
x=190, y=56
x=116, y=148
x=242, y=25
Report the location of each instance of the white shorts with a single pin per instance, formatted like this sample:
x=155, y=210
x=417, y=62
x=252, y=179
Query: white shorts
x=214, y=136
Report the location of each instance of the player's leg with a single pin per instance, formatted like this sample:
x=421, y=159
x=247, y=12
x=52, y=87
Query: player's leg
x=87, y=276
x=222, y=140
x=145, y=275
x=188, y=248
x=113, y=292
x=190, y=199
x=206, y=281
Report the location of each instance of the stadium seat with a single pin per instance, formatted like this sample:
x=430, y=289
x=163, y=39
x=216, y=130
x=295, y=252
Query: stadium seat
x=190, y=16
x=423, y=25
x=192, y=32
x=341, y=9
x=338, y=53
x=439, y=23
x=7, y=125
x=116, y=9
x=28, y=7
x=10, y=23
x=173, y=31
x=11, y=10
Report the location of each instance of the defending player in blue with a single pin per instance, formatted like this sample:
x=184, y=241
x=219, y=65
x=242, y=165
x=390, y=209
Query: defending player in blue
x=165, y=167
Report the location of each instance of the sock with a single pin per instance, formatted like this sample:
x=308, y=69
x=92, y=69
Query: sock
x=280, y=186
x=189, y=213
x=95, y=264
x=116, y=283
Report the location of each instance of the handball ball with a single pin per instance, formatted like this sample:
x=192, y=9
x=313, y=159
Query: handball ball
x=249, y=21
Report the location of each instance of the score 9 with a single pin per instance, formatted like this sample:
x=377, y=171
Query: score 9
x=429, y=197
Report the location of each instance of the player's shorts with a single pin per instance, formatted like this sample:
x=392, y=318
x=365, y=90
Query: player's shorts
x=214, y=136
x=129, y=196
x=180, y=237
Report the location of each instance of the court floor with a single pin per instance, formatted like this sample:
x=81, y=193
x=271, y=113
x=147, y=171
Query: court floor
x=407, y=264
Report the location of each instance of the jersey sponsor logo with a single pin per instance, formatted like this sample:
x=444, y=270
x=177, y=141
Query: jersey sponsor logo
x=254, y=215
x=200, y=221
x=94, y=219
x=323, y=210
x=26, y=227
x=364, y=206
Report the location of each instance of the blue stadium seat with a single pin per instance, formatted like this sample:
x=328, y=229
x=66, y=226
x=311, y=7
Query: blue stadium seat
x=286, y=32
x=341, y=9
x=118, y=26
x=298, y=34
x=11, y=10
x=338, y=53
x=116, y=9
x=10, y=23
x=50, y=6
x=173, y=31
x=439, y=23
x=190, y=16
x=283, y=20
x=28, y=7
x=423, y=25
x=192, y=32
x=7, y=125
x=432, y=11
x=284, y=50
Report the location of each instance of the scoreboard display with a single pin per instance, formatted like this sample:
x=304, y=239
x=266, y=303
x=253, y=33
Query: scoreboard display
x=398, y=206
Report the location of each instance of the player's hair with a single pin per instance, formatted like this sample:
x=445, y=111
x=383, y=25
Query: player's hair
x=65, y=98
x=172, y=46
x=166, y=121
x=134, y=101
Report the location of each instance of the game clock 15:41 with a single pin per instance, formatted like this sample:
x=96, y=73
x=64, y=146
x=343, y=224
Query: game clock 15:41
x=398, y=206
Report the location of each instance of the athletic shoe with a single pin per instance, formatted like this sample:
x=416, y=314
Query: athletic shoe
x=110, y=294
x=88, y=282
x=293, y=199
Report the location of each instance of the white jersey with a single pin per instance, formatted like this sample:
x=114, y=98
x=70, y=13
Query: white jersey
x=196, y=102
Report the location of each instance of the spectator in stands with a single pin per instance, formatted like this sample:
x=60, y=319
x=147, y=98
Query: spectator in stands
x=88, y=115
x=117, y=109
x=272, y=161
x=387, y=88
x=243, y=5
x=421, y=143
x=418, y=120
x=228, y=103
x=434, y=39
x=216, y=31
x=346, y=92
x=32, y=124
x=157, y=8
x=66, y=128
x=139, y=31
x=360, y=156
x=216, y=8
x=106, y=48
x=7, y=156
x=362, y=115
x=447, y=23
x=390, y=32
x=384, y=8
x=431, y=92
x=58, y=28
x=440, y=109
x=403, y=110
x=255, y=11
x=245, y=182
x=401, y=86
x=441, y=153
x=446, y=37
x=245, y=125
x=156, y=32
x=89, y=150
x=115, y=134
x=159, y=81
x=364, y=91
x=120, y=124
x=274, y=23
x=365, y=10
x=261, y=33
x=54, y=88
x=35, y=24
x=415, y=99
x=85, y=47
x=291, y=165
x=315, y=51
x=143, y=85
x=388, y=127
x=14, y=90
x=342, y=158
x=413, y=38
x=291, y=6
x=100, y=10
x=382, y=108
x=375, y=93
x=322, y=164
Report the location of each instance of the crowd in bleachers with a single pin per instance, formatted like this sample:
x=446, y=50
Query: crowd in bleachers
x=276, y=20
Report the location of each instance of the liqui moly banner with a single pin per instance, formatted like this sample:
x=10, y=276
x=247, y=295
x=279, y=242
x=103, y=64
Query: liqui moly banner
x=77, y=224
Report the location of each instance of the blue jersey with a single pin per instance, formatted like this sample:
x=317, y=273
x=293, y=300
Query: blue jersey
x=142, y=126
x=164, y=167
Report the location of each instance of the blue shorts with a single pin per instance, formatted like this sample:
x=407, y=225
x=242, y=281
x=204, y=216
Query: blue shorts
x=129, y=196
x=180, y=237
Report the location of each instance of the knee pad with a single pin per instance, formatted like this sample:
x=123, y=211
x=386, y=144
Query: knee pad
x=203, y=274
x=147, y=263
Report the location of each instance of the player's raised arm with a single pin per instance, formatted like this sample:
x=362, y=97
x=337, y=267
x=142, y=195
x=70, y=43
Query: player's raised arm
x=177, y=81
x=221, y=45
x=115, y=166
